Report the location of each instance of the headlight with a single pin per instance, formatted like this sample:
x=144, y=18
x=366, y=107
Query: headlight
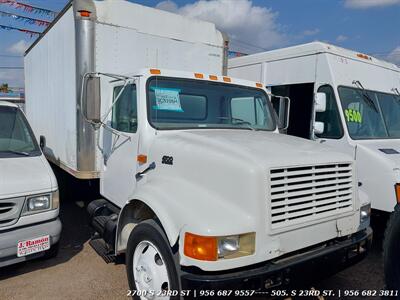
x=214, y=248
x=36, y=204
x=365, y=213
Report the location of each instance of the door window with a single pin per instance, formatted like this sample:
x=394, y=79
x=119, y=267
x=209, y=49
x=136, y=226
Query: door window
x=124, y=116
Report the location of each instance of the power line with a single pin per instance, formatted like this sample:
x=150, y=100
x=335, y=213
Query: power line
x=9, y=55
x=11, y=68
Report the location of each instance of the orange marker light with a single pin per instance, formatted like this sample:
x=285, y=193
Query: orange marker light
x=360, y=55
x=213, y=77
x=200, y=247
x=155, y=71
x=141, y=158
x=84, y=13
x=259, y=85
x=226, y=79
x=397, y=189
x=198, y=75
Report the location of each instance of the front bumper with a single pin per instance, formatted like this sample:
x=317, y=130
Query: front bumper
x=9, y=239
x=325, y=260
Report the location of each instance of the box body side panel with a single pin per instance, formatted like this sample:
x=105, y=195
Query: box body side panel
x=50, y=83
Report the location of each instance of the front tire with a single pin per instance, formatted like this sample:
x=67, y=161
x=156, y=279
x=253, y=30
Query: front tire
x=391, y=250
x=149, y=263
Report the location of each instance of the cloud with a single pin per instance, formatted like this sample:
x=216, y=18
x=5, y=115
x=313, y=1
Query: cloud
x=363, y=4
x=311, y=32
x=341, y=38
x=394, y=56
x=251, y=28
x=19, y=47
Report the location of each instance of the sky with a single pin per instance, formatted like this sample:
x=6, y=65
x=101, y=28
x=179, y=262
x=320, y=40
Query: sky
x=369, y=26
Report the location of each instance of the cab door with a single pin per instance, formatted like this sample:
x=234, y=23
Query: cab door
x=120, y=145
x=333, y=133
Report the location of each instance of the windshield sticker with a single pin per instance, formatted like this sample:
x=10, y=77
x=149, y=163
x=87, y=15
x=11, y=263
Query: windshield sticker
x=353, y=115
x=167, y=99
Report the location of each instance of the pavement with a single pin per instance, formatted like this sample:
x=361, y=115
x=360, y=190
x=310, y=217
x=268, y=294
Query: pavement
x=79, y=273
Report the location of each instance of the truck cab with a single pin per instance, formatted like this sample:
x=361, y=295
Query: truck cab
x=29, y=203
x=341, y=98
x=196, y=173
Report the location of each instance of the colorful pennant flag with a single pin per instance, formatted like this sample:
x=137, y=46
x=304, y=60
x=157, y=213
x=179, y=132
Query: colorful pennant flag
x=29, y=32
x=25, y=19
x=29, y=8
x=235, y=54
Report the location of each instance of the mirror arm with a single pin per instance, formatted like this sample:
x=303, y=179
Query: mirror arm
x=98, y=74
x=288, y=110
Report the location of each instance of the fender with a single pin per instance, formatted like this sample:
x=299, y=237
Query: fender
x=177, y=203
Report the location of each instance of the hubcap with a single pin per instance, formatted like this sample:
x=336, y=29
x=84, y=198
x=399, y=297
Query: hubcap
x=150, y=271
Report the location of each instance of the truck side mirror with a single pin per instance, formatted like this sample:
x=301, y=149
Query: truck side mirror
x=319, y=127
x=320, y=102
x=282, y=108
x=92, y=101
x=42, y=142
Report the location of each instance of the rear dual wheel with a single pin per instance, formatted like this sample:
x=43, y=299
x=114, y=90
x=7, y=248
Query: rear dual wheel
x=150, y=265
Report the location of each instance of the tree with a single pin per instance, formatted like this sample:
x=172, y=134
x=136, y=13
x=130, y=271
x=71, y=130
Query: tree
x=4, y=88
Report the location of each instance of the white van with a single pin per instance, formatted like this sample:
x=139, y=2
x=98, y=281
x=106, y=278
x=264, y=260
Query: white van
x=342, y=98
x=29, y=201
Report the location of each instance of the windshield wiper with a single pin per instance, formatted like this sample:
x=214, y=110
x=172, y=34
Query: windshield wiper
x=239, y=121
x=369, y=101
x=22, y=153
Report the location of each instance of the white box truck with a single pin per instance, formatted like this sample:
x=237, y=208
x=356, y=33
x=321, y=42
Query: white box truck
x=29, y=202
x=200, y=190
x=341, y=98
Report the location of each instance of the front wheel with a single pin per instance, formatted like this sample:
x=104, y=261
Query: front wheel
x=150, y=266
x=391, y=250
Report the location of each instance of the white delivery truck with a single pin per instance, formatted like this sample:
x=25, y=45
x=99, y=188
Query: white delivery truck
x=29, y=223
x=341, y=98
x=200, y=190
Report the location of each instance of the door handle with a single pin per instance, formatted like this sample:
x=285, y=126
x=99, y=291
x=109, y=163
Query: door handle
x=139, y=175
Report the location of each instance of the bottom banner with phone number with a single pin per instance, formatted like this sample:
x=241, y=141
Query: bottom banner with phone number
x=272, y=293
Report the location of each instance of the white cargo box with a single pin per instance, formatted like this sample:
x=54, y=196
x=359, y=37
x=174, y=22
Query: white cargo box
x=111, y=36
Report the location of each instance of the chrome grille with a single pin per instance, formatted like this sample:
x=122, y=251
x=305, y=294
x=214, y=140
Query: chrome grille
x=10, y=210
x=300, y=194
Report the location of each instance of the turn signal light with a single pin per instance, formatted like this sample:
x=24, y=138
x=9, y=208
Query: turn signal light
x=397, y=189
x=201, y=247
x=142, y=159
x=259, y=85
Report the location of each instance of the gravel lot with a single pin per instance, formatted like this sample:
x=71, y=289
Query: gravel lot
x=79, y=273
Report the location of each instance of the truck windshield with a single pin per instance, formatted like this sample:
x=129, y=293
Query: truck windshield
x=187, y=104
x=16, y=138
x=370, y=114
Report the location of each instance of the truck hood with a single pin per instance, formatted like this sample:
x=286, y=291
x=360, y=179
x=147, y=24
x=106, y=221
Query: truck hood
x=378, y=167
x=21, y=176
x=269, y=149
x=386, y=151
